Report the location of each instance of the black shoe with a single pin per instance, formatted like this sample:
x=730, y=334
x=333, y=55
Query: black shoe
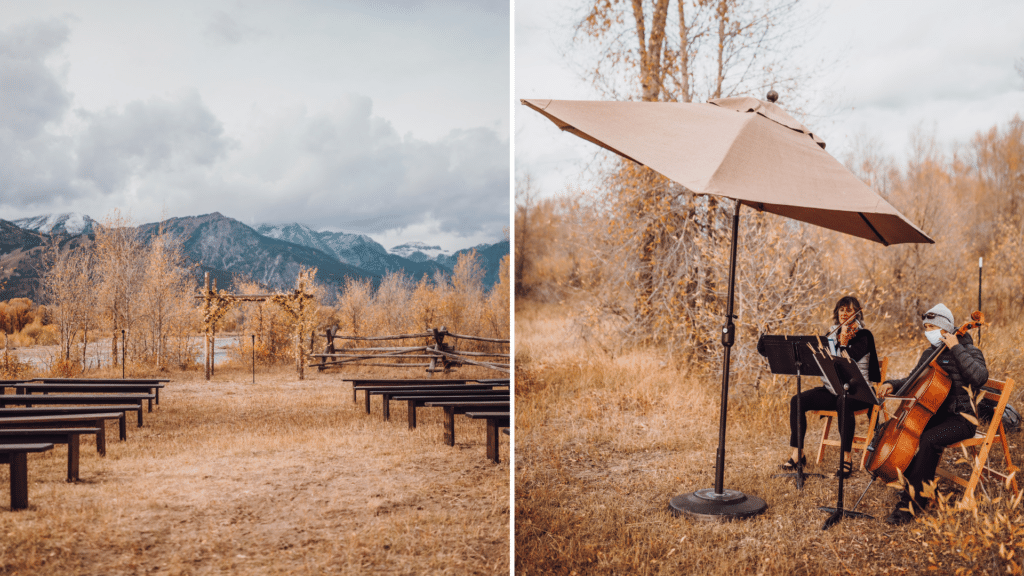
x=846, y=471
x=791, y=465
x=901, y=514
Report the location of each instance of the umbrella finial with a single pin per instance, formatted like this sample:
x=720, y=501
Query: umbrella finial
x=773, y=96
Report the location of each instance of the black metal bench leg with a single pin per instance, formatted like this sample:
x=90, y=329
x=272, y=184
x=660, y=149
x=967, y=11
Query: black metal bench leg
x=412, y=414
x=492, y=440
x=19, y=481
x=449, y=425
x=140, y=414
x=123, y=423
x=386, y=399
x=101, y=436
x=73, y=445
x=367, y=401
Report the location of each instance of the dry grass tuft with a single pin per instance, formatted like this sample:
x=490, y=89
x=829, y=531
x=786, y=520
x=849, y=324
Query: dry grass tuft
x=280, y=477
x=604, y=443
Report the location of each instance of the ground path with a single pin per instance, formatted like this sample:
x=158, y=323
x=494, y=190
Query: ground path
x=279, y=477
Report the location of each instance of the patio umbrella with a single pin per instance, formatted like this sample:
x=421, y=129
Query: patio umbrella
x=757, y=154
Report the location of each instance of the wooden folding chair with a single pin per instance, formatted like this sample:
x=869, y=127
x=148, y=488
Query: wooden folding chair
x=859, y=442
x=976, y=450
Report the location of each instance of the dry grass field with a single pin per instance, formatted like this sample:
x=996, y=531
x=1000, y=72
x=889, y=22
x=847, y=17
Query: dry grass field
x=280, y=477
x=603, y=444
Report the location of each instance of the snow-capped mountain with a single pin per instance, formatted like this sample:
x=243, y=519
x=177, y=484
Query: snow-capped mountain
x=226, y=245
x=228, y=248
x=354, y=249
x=419, y=251
x=67, y=223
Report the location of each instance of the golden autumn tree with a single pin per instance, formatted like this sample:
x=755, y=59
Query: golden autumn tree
x=354, y=307
x=463, y=303
x=663, y=242
x=168, y=320
x=119, y=254
x=69, y=286
x=498, y=310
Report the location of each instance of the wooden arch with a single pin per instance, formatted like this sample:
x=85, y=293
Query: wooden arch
x=297, y=304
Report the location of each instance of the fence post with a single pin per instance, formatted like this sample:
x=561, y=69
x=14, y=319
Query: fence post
x=301, y=304
x=208, y=311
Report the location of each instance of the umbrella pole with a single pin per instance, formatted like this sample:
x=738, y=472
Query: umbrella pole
x=719, y=503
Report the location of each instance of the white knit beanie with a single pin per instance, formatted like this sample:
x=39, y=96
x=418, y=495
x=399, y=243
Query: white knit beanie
x=942, y=318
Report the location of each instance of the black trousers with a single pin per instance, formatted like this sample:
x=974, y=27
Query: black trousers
x=821, y=399
x=941, y=431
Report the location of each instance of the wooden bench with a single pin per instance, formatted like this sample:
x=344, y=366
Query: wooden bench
x=69, y=436
x=154, y=384
x=17, y=456
x=415, y=401
x=120, y=410
x=95, y=420
x=358, y=382
x=33, y=387
x=387, y=394
x=398, y=389
x=495, y=420
x=77, y=399
x=453, y=407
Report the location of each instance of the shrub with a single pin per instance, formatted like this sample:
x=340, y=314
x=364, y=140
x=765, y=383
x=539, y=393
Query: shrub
x=11, y=367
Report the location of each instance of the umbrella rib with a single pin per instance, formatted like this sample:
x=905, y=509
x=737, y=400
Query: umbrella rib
x=868, y=222
x=577, y=132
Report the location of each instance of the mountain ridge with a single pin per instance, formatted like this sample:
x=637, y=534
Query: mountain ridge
x=227, y=248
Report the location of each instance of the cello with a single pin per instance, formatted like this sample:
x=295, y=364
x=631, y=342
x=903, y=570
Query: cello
x=923, y=393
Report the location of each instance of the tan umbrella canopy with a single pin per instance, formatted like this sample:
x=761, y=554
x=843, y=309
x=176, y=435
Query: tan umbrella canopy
x=756, y=153
x=740, y=148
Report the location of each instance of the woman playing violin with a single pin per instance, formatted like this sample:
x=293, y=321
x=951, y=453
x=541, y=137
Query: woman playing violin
x=857, y=341
x=965, y=365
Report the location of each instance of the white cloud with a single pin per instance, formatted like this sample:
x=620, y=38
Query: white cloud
x=145, y=138
x=373, y=117
x=347, y=168
x=33, y=99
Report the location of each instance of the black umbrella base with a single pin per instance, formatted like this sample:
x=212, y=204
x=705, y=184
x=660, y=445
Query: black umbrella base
x=707, y=505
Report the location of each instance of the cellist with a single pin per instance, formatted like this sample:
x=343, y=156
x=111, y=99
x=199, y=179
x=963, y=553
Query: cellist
x=965, y=364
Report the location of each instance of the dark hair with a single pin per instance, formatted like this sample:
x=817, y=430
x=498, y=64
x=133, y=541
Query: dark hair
x=848, y=301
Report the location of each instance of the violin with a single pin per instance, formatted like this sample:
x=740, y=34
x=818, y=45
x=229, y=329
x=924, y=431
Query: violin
x=921, y=396
x=844, y=339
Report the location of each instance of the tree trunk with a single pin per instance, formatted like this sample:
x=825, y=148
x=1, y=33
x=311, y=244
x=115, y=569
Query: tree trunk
x=684, y=56
x=723, y=9
x=650, y=55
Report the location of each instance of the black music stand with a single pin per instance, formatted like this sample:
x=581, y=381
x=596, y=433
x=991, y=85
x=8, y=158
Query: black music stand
x=789, y=355
x=846, y=379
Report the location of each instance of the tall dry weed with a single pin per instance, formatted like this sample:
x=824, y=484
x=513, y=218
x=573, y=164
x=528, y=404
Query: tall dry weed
x=985, y=538
x=12, y=367
x=604, y=441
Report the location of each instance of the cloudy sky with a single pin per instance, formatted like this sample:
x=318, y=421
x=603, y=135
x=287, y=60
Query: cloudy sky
x=389, y=118
x=942, y=67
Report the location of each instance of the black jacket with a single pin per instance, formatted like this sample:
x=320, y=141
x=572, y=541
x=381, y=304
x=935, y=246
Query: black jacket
x=966, y=367
x=864, y=343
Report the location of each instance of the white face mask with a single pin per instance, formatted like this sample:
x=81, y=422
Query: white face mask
x=934, y=336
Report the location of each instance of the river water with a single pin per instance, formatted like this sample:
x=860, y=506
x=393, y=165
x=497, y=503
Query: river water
x=98, y=353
